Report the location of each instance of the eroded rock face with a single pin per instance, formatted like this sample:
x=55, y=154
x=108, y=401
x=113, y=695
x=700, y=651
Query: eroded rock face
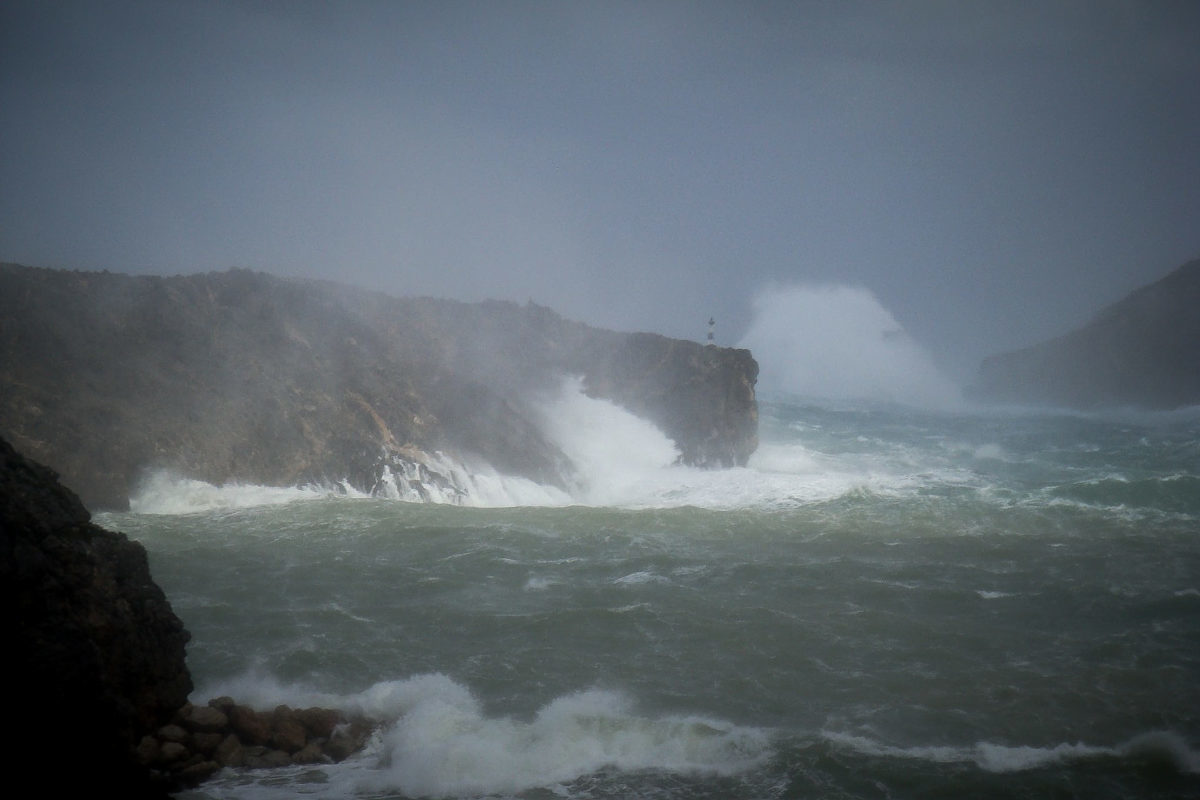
x=94, y=655
x=1143, y=351
x=243, y=376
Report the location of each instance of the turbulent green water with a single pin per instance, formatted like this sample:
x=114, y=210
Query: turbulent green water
x=885, y=604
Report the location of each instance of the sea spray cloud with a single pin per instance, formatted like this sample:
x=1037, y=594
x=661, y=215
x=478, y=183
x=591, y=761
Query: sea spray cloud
x=617, y=455
x=838, y=341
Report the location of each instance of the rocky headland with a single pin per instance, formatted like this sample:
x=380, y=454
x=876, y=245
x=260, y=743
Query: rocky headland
x=242, y=376
x=1141, y=352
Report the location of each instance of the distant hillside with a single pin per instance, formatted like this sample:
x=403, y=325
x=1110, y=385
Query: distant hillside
x=1143, y=351
x=242, y=376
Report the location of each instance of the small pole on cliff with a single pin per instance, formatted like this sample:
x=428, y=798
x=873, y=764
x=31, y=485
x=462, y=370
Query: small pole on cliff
x=711, y=323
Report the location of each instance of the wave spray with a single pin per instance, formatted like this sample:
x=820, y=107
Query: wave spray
x=839, y=342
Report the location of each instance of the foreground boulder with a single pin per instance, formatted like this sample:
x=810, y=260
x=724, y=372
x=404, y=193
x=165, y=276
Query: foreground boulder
x=93, y=653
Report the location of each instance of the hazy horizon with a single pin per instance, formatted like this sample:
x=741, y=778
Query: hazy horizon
x=985, y=175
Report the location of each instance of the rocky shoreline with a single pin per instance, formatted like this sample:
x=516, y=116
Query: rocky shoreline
x=199, y=741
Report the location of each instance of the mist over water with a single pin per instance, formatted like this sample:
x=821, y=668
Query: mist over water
x=838, y=341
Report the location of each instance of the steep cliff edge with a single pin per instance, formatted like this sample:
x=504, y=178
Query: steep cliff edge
x=1143, y=351
x=243, y=376
x=93, y=652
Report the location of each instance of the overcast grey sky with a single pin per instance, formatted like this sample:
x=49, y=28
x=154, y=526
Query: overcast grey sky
x=993, y=172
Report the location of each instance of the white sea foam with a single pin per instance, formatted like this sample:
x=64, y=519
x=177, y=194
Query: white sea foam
x=167, y=493
x=625, y=461
x=164, y=492
x=540, y=583
x=438, y=741
x=483, y=487
x=445, y=745
x=644, y=576
x=620, y=460
x=1156, y=745
x=617, y=455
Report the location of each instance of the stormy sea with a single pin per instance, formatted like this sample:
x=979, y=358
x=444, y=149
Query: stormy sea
x=885, y=603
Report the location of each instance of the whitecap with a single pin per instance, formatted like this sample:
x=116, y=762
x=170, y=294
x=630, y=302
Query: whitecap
x=1157, y=745
x=444, y=745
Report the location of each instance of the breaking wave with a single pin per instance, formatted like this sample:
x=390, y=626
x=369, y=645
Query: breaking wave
x=620, y=460
x=1159, y=747
x=442, y=743
x=165, y=492
x=839, y=342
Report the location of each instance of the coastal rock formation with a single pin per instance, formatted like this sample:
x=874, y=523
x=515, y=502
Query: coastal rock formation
x=1143, y=351
x=94, y=655
x=241, y=376
x=700, y=396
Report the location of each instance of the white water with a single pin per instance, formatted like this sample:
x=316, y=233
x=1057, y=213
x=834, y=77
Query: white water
x=839, y=342
x=440, y=741
x=167, y=493
x=621, y=461
x=444, y=743
x=992, y=757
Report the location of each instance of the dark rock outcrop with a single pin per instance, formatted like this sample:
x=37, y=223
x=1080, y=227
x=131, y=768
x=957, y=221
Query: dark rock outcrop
x=244, y=376
x=1143, y=351
x=93, y=653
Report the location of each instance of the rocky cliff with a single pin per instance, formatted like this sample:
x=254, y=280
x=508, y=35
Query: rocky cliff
x=243, y=376
x=93, y=653
x=1143, y=351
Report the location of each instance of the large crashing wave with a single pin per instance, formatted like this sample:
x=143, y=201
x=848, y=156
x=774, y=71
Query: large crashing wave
x=616, y=454
x=439, y=741
x=839, y=342
x=620, y=460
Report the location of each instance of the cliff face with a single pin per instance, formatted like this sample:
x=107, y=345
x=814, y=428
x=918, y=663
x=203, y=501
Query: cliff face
x=1143, y=351
x=92, y=648
x=244, y=376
